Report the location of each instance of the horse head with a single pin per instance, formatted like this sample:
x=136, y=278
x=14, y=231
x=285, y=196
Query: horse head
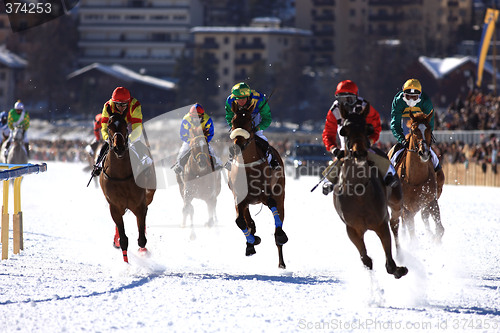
x=18, y=133
x=118, y=134
x=199, y=148
x=356, y=131
x=420, y=136
x=242, y=130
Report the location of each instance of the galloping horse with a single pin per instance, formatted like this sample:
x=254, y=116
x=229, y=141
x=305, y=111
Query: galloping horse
x=253, y=181
x=17, y=152
x=120, y=188
x=198, y=179
x=420, y=191
x=361, y=198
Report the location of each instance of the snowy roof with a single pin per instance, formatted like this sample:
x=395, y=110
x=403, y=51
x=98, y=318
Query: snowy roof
x=254, y=30
x=440, y=67
x=10, y=59
x=125, y=74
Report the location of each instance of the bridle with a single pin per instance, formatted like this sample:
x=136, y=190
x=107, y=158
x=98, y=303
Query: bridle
x=119, y=151
x=201, y=154
x=240, y=131
x=421, y=143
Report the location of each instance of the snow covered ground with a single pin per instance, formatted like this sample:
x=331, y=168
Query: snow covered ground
x=69, y=278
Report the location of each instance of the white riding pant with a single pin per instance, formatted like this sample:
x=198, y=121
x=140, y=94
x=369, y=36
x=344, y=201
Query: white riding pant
x=434, y=158
x=185, y=148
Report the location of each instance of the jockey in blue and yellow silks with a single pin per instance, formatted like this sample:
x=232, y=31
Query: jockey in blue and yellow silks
x=194, y=118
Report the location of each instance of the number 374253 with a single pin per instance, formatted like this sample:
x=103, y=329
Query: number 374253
x=28, y=8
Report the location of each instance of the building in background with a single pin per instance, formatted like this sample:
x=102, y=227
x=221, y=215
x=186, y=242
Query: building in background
x=430, y=27
x=11, y=70
x=237, y=50
x=144, y=35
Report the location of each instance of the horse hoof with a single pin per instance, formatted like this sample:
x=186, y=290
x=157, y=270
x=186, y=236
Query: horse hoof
x=257, y=240
x=116, y=244
x=280, y=237
x=400, y=272
x=250, y=250
x=143, y=252
x=282, y=265
x=367, y=261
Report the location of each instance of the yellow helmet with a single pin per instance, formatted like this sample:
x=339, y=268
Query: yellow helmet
x=412, y=86
x=241, y=90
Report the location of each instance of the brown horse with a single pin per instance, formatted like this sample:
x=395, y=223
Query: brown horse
x=361, y=198
x=420, y=190
x=120, y=188
x=199, y=179
x=253, y=181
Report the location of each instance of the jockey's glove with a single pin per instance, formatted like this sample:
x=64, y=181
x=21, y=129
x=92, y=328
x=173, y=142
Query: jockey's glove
x=338, y=153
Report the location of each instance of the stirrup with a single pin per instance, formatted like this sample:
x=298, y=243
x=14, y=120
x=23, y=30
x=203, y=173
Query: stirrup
x=327, y=188
x=178, y=169
x=391, y=181
x=97, y=171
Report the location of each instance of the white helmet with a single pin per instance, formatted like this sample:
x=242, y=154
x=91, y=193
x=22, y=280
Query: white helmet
x=19, y=105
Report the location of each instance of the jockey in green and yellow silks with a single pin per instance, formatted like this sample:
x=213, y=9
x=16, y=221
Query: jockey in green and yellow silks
x=18, y=117
x=244, y=98
x=194, y=118
x=413, y=99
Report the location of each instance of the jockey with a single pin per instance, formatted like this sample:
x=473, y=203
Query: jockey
x=244, y=98
x=347, y=96
x=18, y=117
x=97, y=135
x=412, y=98
x=122, y=103
x=4, y=127
x=194, y=118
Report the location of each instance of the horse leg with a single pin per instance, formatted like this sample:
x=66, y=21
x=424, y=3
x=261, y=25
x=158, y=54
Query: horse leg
x=211, y=204
x=141, y=227
x=436, y=216
x=426, y=211
x=117, y=217
x=395, y=203
x=248, y=231
x=385, y=237
x=409, y=222
x=279, y=235
x=357, y=239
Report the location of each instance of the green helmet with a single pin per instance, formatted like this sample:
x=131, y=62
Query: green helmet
x=240, y=90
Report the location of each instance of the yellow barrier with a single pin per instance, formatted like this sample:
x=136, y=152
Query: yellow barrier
x=14, y=172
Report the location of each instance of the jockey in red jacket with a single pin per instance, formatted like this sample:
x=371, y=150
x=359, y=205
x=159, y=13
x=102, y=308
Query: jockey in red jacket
x=347, y=91
x=347, y=95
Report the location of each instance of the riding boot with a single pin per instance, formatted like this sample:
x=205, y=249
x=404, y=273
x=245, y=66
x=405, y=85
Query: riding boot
x=6, y=151
x=439, y=180
x=102, y=154
x=232, y=152
x=266, y=148
x=181, y=162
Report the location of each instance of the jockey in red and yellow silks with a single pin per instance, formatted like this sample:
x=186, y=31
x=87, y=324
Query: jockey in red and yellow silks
x=122, y=103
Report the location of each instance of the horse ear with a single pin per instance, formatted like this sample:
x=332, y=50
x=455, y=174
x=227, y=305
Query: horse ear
x=343, y=111
x=429, y=116
x=234, y=107
x=412, y=116
x=366, y=110
x=343, y=131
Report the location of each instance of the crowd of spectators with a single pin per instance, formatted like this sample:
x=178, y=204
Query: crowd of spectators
x=477, y=112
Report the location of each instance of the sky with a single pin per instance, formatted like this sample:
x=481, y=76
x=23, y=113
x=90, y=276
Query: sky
x=69, y=278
